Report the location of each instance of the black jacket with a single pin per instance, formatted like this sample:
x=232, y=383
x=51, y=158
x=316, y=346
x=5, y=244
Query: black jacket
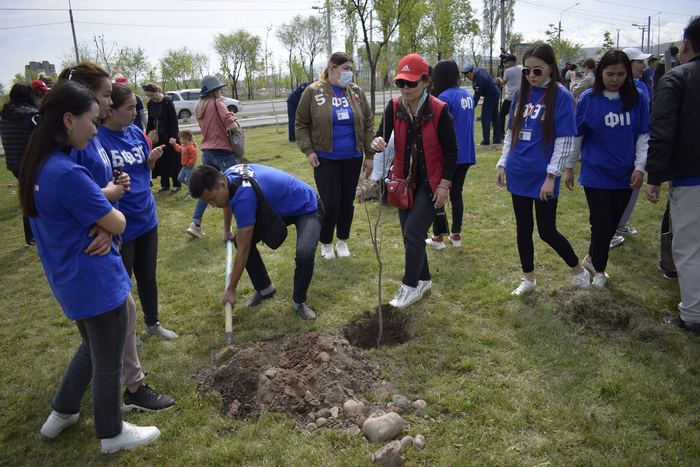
x=674, y=151
x=163, y=115
x=16, y=125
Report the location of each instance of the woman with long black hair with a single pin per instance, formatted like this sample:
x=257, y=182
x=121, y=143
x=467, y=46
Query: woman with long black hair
x=540, y=138
x=63, y=203
x=612, y=121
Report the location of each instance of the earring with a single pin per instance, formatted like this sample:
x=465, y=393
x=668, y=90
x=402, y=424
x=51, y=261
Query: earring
x=70, y=130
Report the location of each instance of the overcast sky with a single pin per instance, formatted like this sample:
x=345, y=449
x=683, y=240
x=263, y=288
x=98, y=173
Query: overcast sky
x=32, y=30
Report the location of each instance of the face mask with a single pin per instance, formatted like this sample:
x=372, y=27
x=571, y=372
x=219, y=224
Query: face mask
x=345, y=78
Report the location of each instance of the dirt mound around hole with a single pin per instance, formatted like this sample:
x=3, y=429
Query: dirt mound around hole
x=597, y=310
x=296, y=375
x=363, y=331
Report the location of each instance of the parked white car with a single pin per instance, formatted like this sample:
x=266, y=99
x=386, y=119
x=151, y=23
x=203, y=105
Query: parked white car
x=186, y=99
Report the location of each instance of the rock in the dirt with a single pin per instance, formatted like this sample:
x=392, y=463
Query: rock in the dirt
x=389, y=455
x=419, y=404
x=352, y=407
x=377, y=413
x=407, y=441
x=271, y=372
x=335, y=411
x=311, y=427
x=325, y=413
x=400, y=401
x=320, y=421
x=384, y=427
x=324, y=357
x=419, y=441
x=353, y=430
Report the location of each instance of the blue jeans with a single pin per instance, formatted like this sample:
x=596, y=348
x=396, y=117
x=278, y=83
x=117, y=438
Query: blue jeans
x=220, y=159
x=308, y=230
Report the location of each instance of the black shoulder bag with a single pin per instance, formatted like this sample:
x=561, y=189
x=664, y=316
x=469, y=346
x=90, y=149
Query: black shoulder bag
x=269, y=226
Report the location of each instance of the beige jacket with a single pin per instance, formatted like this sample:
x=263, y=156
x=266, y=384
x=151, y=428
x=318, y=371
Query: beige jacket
x=314, y=119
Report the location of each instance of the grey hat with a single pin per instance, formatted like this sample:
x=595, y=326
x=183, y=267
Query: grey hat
x=468, y=69
x=210, y=83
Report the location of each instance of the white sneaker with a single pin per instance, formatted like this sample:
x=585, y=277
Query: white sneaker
x=524, y=287
x=131, y=437
x=627, y=230
x=327, y=251
x=587, y=264
x=341, y=247
x=195, y=231
x=582, y=279
x=57, y=422
x=617, y=240
x=436, y=242
x=599, y=280
x=424, y=286
x=406, y=296
x=160, y=331
x=456, y=239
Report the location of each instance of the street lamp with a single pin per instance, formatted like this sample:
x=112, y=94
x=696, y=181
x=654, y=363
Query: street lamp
x=561, y=13
x=326, y=11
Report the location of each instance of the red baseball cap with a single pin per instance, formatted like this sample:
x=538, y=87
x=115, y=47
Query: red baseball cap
x=39, y=84
x=121, y=80
x=411, y=68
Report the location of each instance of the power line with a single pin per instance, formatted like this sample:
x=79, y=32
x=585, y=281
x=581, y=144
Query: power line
x=642, y=8
x=165, y=26
x=152, y=10
x=33, y=25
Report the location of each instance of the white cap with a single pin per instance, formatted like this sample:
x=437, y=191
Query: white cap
x=634, y=53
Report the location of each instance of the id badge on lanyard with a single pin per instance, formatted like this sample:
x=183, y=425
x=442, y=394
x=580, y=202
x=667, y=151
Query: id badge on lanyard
x=525, y=134
x=343, y=114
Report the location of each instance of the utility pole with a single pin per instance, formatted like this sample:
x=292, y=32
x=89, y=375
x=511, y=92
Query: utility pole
x=561, y=13
x=328, y=27
x=503, y=26
x=72, y=26
x=617, y=45
x=649, y=34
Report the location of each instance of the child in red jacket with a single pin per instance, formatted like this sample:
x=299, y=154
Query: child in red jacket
x=188, y=154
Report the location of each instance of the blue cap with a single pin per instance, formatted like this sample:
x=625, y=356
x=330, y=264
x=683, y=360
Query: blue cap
x=468, y=69
x=210, y=83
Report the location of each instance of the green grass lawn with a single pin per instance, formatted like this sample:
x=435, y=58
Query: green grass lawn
x=560, y=377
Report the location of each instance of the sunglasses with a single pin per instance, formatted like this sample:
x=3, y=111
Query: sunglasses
x=402, y=83
x=535, y=71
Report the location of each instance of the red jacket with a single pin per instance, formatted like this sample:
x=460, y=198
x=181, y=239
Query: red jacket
x=429, y=139
x=188, y=154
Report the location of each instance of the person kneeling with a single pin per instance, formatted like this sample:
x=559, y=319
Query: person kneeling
x=290, y=198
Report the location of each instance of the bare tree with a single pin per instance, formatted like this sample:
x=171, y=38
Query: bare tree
x=107, y=55
x=312, y=34
x=489, y=21
x=287, y=35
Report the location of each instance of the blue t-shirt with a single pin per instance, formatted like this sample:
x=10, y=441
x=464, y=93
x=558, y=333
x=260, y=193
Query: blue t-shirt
x=286, y=194
x=344, y=141
x=69, y=203
x=95, y=159
x=643, y=89
x=526, y=166
x=688, y=181
x=129, y=152
x=461, y=106
x=609, y=139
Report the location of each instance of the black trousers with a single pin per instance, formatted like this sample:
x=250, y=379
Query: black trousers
x=97, y=360
x=505, y=108
x=456, y=196
x=546, y=215
x=415, y=223
x=28, y=235
x=169, y=167
x=336, y=182
x=605, y=209
x=140, y=255
x=291, y=116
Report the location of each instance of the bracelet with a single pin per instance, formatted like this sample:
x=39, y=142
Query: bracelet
x=443, y=188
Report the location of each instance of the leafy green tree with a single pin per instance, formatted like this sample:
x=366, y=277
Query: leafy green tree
x=232, y=50
x=564, y=49
x=412, y=30
x=608, y=43
x=446, y=24
x=251, y=64
x=289, y=37
x=132, y=63
x=312, y=41
x=177, y=67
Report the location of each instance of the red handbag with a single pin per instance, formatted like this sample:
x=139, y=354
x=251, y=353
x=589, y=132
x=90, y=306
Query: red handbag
x=399, y=191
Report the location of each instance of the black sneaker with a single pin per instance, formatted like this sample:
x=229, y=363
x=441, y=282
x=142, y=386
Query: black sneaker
x=257, y=298
x=146, y=399
x=679, y=323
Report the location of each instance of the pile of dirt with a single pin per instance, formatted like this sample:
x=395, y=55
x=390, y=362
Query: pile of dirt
x=597, y=310
x=298, y=375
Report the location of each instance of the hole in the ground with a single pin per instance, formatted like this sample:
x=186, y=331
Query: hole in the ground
x=396, y=329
